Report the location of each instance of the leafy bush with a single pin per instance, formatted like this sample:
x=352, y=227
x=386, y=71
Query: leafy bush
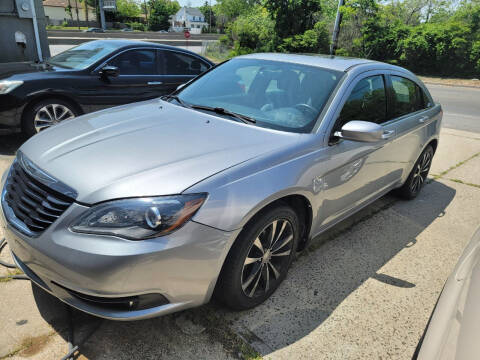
x=316, y=40
x=251, y=33
x=442, y=49
x=136, y=26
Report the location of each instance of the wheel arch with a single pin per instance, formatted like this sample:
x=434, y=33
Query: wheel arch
x=298, y=202
x=35, y=99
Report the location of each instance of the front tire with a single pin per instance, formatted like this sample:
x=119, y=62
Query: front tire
x=47, y=113
x=418, y=175
x=259, y=259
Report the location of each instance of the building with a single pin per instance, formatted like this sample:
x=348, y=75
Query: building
x=189, y=17
x=22, y=26
x=56, y=12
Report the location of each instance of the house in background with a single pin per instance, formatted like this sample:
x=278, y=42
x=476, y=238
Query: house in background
x=56, y=13
x=189, y=17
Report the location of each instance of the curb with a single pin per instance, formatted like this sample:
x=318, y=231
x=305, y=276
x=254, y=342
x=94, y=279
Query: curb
x=452, y=85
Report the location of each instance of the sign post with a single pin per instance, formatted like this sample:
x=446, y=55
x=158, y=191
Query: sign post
x=187, y=35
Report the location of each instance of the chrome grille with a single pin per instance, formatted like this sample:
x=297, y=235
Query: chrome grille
x=33, y=203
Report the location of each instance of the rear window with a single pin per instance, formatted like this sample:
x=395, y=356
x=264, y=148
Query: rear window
x=407, y=97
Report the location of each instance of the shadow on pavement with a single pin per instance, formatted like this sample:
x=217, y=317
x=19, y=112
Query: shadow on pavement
x=337, y=263
x=330, y=270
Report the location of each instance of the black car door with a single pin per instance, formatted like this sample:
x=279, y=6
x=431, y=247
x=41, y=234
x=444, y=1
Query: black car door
x=179, y=67
x=138, y=79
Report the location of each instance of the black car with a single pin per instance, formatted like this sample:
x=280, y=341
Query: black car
x=89, y=77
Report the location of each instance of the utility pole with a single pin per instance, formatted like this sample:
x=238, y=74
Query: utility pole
x=336, y=28
x=146, y=11
x=102, y=15
x=210, y=19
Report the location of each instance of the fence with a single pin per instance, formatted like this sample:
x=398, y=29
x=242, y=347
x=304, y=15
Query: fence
x=215, y=51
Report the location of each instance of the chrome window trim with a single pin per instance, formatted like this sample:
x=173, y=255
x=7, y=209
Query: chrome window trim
x=98, y=68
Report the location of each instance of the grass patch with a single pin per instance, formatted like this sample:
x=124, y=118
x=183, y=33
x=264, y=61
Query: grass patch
x=217, y=329
x=443, y=173
x=464, y=183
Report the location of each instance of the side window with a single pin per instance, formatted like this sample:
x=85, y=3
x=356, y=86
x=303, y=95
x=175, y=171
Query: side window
x=175, y=63
x=367, y=102
x=136, y=62
x=407, y=97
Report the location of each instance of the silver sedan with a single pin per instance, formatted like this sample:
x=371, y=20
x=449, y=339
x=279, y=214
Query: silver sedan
x=149, y=208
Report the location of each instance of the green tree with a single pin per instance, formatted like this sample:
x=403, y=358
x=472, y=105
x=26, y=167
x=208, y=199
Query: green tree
x=292, y=17
x=127, y=9
x=316, y=40
x=208, y=11
x=252, y=32
x=160, y=11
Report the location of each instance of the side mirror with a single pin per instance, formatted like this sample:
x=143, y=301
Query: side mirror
x=363, y=131
x=108, y=71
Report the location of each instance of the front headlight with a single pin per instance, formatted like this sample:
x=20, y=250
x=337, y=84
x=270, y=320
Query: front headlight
x=8, y=85
x=140, y=218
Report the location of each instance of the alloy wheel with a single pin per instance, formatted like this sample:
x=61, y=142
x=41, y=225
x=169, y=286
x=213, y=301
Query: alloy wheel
x=421, y=171
x=267, y=258
x=51, y=114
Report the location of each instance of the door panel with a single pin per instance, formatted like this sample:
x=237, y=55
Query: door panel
x=138, y=80
x=363, y=170
x=178, y=68
x=407, y=110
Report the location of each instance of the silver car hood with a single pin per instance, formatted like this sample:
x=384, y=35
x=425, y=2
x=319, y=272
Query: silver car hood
x=146, y=149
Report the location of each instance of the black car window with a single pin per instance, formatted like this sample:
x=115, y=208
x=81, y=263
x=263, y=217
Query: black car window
x=366, y=102
x=407, y=97
x=175, y=63
x=136, y=62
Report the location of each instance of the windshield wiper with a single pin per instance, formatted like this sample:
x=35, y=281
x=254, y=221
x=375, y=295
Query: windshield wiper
x=177, y=99
x=242, y=118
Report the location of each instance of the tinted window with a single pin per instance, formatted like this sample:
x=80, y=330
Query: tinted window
x=367, y=102
x=136, y=62
x=181, y=64
x=84, y=55
x=407, y=97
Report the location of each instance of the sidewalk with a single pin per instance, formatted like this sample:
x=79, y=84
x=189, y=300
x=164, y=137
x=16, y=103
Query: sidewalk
x=364, y=290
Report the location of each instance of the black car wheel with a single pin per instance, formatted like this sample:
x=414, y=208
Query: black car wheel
x=47, y=113
x=418, y=175
x=260, y=258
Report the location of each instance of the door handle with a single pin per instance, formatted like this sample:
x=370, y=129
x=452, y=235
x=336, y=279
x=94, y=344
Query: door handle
x=155, y=83
x=387, y=134
x=423, y=119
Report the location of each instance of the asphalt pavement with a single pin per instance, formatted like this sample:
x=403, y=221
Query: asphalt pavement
x=461, y=106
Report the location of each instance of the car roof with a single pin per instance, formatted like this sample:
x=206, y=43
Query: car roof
x=338, y=63
x=125, y=43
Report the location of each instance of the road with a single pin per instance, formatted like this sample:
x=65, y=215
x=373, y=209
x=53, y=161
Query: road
x=461, y=106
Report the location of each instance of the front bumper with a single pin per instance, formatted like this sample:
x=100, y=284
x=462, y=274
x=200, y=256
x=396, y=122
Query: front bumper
x=182, y=267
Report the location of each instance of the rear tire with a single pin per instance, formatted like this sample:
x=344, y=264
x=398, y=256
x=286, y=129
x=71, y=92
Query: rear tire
x=45, y=113
x=259, y=259
x=418, y=175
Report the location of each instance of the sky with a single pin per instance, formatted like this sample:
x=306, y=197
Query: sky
x=194, y=3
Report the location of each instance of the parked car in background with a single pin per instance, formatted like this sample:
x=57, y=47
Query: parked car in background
x=90, y=77
x=452, y=332
x=150, y=208
x=95, y=30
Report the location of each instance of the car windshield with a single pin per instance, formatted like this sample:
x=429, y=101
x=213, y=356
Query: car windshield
x=278, y=95
x=84, y=55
